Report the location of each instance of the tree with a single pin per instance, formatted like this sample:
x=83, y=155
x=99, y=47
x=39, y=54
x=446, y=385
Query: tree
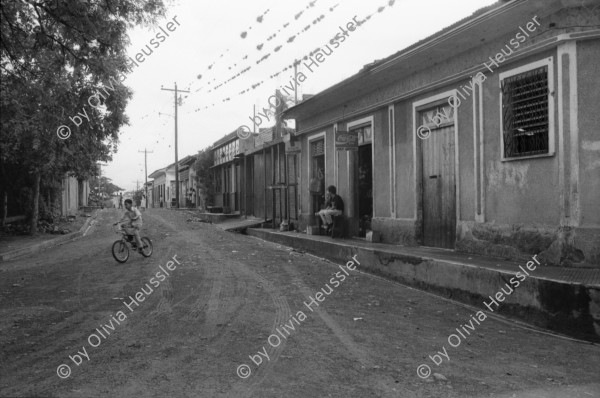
x=54, y=56
x=138, y=196
x=204, y=176
x=104, y=187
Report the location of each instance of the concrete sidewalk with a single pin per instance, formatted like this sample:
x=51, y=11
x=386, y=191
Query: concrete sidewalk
x=564, y=300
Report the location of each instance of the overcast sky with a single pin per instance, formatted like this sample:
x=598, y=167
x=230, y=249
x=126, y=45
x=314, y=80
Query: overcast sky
x=209, y=29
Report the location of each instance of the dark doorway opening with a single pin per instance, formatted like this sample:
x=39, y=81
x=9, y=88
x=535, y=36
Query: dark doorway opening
x=317, y=178
x=365, y=189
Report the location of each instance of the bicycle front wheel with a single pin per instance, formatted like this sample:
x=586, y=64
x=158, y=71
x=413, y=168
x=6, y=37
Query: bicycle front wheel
x=120, y=251
x=147, y=248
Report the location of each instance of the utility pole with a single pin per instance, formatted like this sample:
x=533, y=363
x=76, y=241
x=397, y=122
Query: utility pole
x=137, y=189
x=176, y=155
x=146, y=152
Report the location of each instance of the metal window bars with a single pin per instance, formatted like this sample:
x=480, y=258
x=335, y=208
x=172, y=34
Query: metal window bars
x=525, y=113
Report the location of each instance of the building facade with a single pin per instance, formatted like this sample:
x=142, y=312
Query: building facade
x=226, y=171
x=74, y=195
x=163, y=185
x=187, y=182
x=482, y=138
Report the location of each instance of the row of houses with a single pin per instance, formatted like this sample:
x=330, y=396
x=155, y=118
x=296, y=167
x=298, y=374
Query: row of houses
x=161, y=190
x=482, y=138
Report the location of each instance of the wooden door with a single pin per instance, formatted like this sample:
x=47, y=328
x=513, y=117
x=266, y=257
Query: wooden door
x=259, y=185
x=439, y=188
x=293, y=176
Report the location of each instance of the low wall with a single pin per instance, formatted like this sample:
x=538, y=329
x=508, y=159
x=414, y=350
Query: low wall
x=47, y=244
x=395, y=231
x=560, y=246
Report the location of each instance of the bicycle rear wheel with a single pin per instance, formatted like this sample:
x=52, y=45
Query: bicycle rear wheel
x=147, y=249
x=120, y=251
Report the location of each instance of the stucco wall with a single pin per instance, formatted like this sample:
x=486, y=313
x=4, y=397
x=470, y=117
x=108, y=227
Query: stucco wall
x=588, y=59
x=405, y=180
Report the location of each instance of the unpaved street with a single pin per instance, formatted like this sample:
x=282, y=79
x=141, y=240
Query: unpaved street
x=214, y=314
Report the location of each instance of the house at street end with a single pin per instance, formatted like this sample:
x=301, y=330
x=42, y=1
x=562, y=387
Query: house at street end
x=484, y=138
x=161, y=191
x=74, y=195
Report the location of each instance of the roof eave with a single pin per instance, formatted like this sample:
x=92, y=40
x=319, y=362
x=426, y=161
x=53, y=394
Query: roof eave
x=403, y=55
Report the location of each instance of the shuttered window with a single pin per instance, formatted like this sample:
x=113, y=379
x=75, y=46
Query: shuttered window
x=525, y=113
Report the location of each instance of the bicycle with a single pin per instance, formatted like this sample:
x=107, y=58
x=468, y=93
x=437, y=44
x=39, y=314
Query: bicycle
x=120, y=248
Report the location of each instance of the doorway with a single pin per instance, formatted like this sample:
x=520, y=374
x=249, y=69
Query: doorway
x=438, y=178
x=365, y=189
x=317, y=174
x=364, y=182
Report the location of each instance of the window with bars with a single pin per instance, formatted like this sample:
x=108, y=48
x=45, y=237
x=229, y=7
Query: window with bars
x=525, y=113
x=317, y=148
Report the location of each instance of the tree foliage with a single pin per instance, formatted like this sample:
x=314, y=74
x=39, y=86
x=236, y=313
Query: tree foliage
x=54, y=55
x=103, y=187
x=204, y=176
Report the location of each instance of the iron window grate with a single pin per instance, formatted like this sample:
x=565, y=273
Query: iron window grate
x=525, y=113
x=318, y=148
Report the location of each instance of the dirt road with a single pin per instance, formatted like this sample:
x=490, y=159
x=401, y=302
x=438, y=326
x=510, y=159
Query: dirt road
x=233, y=316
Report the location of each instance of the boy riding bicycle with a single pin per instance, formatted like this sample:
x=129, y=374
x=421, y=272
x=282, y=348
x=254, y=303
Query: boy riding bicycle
x=134, y=224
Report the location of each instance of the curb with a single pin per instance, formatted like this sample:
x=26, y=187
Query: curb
x=49, y=243
x=572, y=309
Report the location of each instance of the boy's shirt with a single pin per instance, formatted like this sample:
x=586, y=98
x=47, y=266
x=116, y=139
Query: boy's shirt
x=134, y=215
x=336, y=203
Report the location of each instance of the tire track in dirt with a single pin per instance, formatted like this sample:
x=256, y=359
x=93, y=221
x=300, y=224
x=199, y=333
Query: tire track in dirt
x=221, y=306
x=220, y=303
x=347, y=341
x=247, y=387
x=140, y=328
x=69, y=333
x=224, y=301
x=378, y=382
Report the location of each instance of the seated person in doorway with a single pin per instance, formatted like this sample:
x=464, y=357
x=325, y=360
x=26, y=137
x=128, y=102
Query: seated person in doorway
x=334, y=206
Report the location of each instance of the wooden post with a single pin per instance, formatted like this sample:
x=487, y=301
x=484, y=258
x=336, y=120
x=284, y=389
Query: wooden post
x=265, y=179
x=273, y=183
